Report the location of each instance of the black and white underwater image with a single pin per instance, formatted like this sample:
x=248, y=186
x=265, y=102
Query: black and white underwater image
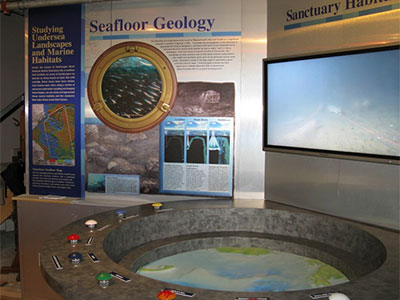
x=131, y=87
x=174, y=141
x=347, y=103
x=205, y=99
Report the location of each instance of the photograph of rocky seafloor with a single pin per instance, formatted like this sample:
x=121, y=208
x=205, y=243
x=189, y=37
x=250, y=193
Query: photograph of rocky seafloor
x=205, y=99
x=113, y=152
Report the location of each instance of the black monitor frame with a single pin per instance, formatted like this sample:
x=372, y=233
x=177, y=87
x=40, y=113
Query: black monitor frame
x=375, y=158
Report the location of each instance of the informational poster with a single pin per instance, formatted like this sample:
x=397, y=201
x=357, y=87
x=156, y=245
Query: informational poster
x=126, y=45
x=55, y=101
x=113, y=184
x=196, y=156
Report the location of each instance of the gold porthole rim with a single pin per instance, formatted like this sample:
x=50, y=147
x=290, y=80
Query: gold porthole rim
x=164, y=104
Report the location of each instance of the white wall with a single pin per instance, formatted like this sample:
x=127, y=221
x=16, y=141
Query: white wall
x=11, y=79
x=366, y=192
x=249, y=168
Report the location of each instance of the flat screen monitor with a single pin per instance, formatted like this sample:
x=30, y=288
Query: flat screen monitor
x=344, y=105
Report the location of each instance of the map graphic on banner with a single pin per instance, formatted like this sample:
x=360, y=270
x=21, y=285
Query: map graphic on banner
x=54, y=134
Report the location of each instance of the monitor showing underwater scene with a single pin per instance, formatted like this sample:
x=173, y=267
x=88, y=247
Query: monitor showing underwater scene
x=343, y=103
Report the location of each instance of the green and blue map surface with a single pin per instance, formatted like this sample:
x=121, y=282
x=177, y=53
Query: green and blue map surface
x=243, y=269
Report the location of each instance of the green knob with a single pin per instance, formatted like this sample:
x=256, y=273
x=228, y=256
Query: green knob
x=103, y=276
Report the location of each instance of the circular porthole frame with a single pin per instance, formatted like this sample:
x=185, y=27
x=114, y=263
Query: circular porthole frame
x=168, y=93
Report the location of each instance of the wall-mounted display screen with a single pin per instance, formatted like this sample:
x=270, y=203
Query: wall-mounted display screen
x=342, y=104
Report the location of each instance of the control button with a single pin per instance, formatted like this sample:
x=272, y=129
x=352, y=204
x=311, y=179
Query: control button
x=91, y=224
x=157, y=206
x=338, y=296
x=120, y=214
x=104, y=279
x=73, y=239
x=75, y=258
x=166, y=295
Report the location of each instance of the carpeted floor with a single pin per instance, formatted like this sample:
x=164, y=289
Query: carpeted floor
x=10, y=284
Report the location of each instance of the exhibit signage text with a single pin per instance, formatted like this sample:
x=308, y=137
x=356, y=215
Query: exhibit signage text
x=159, y=23
x=49, y=44
x=331, y=9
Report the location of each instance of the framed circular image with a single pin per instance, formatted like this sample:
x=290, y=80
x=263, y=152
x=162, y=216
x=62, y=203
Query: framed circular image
x=132, y=87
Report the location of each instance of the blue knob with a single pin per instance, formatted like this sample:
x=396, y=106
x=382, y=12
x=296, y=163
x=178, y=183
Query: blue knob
x=75, y=257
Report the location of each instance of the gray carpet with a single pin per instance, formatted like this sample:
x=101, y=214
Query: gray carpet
x=7, y=255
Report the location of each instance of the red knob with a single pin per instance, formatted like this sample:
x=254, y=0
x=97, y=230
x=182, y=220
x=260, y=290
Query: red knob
x=73, y=237
x=166, y=295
